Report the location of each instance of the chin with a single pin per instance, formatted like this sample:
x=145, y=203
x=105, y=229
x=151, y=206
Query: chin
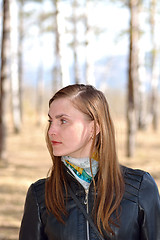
x=59, y=154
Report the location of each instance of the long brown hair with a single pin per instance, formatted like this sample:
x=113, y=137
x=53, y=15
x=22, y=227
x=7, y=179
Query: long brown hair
x=93, y=103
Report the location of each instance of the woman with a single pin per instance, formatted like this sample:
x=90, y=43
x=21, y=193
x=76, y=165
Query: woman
x=88, y=195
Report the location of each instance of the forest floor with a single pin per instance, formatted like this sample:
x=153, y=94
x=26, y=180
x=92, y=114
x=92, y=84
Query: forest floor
x=29, y=160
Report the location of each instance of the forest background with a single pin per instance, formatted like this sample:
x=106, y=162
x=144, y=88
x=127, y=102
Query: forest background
x=45, y=45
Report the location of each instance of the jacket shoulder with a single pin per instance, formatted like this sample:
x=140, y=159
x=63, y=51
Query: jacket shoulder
x=39, y=190
x=133, y=179
x=39, y=185
x=134, y=174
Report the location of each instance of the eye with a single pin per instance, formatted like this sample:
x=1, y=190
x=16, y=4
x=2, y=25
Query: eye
x=63, y=121
x=49, y=120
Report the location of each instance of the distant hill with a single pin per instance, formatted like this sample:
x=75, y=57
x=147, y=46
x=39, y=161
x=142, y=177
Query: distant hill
x=110, y=72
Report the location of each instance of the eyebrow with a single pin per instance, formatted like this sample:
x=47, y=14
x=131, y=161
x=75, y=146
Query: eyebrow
x=59, y=115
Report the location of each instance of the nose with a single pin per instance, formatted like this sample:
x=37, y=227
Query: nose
x=52, y=129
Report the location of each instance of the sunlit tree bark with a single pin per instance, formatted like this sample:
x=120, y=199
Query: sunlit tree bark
x=141, y=81
x=40, y=94
x=20, y=53
x=4, y=79
x=155, y=39
x=40, y=79
x=90, y=78
x=61, y=74
x=15, y=88
x=57, y=71
x=75, y=42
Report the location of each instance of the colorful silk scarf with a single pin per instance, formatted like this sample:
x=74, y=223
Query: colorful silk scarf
x=80, y=168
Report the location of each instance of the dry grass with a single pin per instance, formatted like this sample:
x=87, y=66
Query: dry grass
x=28, y=160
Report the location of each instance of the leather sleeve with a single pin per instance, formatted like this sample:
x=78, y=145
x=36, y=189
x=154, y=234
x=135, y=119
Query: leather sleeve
x=149, y=209
x=31, y=225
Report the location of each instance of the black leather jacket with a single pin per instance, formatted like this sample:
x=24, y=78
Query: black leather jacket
x=139, y=220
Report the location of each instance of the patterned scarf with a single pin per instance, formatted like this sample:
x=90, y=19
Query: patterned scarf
x=80, y=168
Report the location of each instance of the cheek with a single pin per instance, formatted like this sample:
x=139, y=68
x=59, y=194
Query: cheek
x=79, y=133
x=72, y=135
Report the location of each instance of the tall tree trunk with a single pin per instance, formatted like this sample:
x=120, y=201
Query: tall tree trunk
x=61, y=75
x=40, y=91
x=141, y=85
x=40, y=80
x=154, y=64
x=75, y=43
x=132, y=78
x=90, y=78
x=4, y=83
x=14, y=67
x=57, y=71
x=20, y=54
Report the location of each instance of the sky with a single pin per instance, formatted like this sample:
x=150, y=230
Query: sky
x=112, y=18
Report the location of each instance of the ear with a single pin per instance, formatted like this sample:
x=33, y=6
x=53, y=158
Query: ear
x=95, y=125
x=97, y=128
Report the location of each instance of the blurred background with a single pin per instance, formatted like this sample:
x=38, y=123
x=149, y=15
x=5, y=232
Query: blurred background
x=113, y=45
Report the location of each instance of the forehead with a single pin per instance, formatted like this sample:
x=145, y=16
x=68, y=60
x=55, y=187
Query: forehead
x=61, y=102
x=62, y=106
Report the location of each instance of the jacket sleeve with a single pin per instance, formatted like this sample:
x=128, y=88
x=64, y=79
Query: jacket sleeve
x=149, y=209
x=31, y=225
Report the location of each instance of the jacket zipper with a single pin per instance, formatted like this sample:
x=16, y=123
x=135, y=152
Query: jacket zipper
x=86, y=203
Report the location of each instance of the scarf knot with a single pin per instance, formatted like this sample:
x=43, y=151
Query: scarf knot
x=80, y=168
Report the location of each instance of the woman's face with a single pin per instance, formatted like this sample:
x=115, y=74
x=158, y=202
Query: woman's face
x=70, y=131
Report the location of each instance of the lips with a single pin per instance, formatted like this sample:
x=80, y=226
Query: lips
x=55, y=143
